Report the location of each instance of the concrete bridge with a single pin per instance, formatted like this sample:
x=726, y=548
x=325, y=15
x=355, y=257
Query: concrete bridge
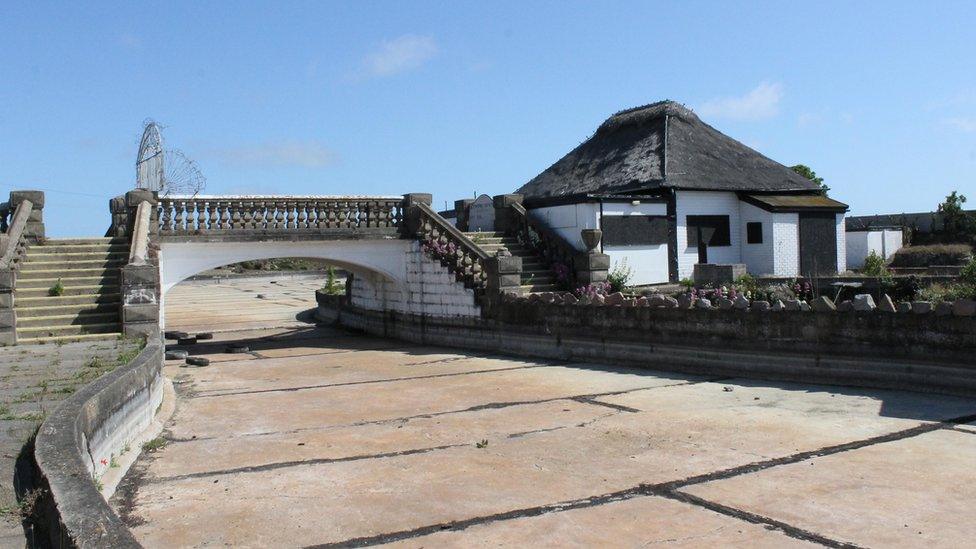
x=402, y=254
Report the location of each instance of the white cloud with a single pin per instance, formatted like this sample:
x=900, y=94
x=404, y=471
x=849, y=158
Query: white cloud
x=401, y=54
x=808, y=119
x=307, y=154
x=961, y=123
x=761, y=102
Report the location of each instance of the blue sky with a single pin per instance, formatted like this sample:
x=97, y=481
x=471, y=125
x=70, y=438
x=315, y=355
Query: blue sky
x=455, y=98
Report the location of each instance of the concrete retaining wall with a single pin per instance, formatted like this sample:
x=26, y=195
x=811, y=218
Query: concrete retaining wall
x=873, y=350
x=428, y=288
x=94, y=424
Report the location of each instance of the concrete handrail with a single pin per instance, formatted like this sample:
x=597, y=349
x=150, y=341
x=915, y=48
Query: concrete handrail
x=139, y=247
x=15, y=233
x=76, y=436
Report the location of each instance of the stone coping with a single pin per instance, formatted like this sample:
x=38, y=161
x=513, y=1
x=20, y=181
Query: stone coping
x=73, y=512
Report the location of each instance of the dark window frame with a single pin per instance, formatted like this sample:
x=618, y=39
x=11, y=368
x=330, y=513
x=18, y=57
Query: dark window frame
x=751, y=236
x=634, y=230
x=722, y=236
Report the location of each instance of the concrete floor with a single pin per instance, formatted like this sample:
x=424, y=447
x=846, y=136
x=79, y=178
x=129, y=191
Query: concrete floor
x=326, y=438
x=241, y=303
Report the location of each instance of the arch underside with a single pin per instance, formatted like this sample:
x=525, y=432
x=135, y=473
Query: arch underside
x=379, y=260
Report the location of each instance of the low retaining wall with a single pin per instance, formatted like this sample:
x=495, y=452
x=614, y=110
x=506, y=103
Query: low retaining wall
x=920, y=353
x=91, y=426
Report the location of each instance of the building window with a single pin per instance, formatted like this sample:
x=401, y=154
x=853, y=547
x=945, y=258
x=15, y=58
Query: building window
x=634, y=230
x=754, y=232
x=714, y=229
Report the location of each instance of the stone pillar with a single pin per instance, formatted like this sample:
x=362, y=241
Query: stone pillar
x=120, y=216
x=140, y=300
x=461, y=213
x=504, y=274
x=8, y=316
x=34, y=230
x=132, y=200
x=591, y=265
x=505, y=219
x=411, y=215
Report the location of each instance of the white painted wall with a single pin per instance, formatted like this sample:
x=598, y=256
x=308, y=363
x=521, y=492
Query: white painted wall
x=841, y=244
x=707, y=203
x=759, y=258
x=569, y=219
x=648, y=264
x=860, y=244
x=786, y=244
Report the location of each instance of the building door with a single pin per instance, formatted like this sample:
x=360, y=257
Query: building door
x=818, y=243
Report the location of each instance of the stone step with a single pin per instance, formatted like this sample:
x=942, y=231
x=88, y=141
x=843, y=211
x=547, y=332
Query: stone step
x=80, y=290
x=44, y=265
x=68, y=338
x=74, y=256
x=52, y=301
x=85, y=319
x=68, y=280
x=486, y=234
x=83, y=240
x=55, y=331
x=104, y=247
x=66, y=273
x=56, y=310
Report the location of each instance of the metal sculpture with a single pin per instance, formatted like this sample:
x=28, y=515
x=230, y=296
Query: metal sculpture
x=168, y=172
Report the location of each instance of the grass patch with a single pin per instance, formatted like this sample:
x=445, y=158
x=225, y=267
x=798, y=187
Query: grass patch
x=154, y=445
x=57, y=290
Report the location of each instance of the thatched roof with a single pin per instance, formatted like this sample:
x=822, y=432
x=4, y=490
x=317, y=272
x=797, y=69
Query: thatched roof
x=661, y=145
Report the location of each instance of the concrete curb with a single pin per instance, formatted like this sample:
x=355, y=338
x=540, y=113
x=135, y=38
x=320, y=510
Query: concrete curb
x=70, y=445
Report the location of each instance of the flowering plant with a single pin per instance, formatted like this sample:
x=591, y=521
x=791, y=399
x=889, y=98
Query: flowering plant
x=592, y=290
x=439, y=250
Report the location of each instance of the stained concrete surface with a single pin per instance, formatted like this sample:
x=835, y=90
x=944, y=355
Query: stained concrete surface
x=320, y=437
x=241, y=303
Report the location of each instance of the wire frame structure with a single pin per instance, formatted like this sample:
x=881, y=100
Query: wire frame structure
x=150, y=172
x=167, y=172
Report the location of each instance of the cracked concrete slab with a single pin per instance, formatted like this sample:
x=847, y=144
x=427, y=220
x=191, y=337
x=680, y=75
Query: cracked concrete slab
x=912, y=492
x=328, y=438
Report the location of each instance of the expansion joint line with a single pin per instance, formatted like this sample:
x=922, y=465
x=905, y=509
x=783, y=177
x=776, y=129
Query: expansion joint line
x=671, y=490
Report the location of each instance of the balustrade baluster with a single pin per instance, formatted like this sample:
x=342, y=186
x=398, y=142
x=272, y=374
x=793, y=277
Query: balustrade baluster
x=301, y=217
x=279, y=215
x=201, y=209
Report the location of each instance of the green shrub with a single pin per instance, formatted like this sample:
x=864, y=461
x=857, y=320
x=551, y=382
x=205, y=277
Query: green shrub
x=947, y=292
x=875, y=265
x=619, y=276
x=932, y=254
x=332, y=286
x=56, y=290
x=968, y=274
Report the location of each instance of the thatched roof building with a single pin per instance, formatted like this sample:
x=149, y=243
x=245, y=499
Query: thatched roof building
x=658, y=146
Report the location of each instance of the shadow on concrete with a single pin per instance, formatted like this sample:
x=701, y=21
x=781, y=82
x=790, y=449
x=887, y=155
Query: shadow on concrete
x=891, y=403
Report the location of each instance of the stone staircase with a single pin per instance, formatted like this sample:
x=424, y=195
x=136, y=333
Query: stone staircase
x=536, y=275
x=88, y=307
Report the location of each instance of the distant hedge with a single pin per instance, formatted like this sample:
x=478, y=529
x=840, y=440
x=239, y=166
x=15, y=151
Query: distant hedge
x=933, y=254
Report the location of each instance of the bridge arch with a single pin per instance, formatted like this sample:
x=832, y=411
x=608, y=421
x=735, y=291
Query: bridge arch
x=372, y=259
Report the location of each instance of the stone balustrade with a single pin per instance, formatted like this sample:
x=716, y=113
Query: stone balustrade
x=185, y=215
x=441, y=240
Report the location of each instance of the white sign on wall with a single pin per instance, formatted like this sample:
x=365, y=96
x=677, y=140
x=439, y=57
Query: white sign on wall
x=481, y=214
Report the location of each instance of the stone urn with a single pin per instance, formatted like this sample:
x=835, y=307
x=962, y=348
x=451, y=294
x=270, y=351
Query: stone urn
x=591, y=238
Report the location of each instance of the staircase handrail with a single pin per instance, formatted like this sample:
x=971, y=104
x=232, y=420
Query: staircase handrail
x=139, y=246
x=14, y=242
x=444, y=241
x=552, y=246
